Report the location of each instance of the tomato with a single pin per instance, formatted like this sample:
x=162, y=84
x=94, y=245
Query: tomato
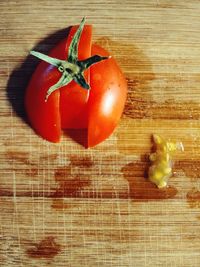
x=69, y=106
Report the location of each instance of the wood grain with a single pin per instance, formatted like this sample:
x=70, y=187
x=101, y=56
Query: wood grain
x=63, y=205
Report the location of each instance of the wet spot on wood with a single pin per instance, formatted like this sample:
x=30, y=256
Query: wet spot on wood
x=47, y=248
x=141, y=105
x=60, y=204
x=147, y=97
x=191, y=168
x=49, y=157
x=5, y=193
x=140, y=188
x=193, y=198
x=32, y=172
x=19, y=157
x=82, y=162
x=69, y=185
x=20, y=162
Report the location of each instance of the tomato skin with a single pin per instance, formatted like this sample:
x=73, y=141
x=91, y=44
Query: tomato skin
x=107, y=98
x=65, y=108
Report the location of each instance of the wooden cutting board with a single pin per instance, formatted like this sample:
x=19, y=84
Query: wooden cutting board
x=64, y=205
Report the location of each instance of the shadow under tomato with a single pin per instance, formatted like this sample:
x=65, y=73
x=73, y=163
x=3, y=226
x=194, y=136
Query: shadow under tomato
x=19, y=78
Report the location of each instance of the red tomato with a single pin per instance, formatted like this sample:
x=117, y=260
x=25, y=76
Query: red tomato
x=98, y=109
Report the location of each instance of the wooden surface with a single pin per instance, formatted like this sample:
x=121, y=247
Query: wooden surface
x=63, y=205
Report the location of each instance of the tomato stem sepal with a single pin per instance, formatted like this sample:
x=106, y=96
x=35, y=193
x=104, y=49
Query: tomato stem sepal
x=72, y=68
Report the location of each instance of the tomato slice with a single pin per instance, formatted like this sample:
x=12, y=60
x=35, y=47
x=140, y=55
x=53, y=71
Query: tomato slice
x=70, y=101
x=107, y=97
x=74, y=98
x=44, y=116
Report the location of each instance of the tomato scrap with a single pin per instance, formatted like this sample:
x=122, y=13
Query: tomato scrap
x=75, y=88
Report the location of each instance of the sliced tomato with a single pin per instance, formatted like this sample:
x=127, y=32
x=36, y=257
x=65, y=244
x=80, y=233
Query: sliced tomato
x=70, y=102
x=107, y=97
x=98, y=110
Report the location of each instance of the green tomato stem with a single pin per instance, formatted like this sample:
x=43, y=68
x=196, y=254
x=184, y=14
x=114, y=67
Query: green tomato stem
x=72, y=68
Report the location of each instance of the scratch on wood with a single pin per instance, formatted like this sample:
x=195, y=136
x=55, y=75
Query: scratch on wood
x=16, y=213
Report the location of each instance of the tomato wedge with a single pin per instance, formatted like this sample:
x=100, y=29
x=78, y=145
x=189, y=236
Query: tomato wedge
x=73, y=98
x=55, y=99
x=107, y=98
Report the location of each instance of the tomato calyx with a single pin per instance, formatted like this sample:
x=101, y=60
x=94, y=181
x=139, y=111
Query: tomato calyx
x=72, y=68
